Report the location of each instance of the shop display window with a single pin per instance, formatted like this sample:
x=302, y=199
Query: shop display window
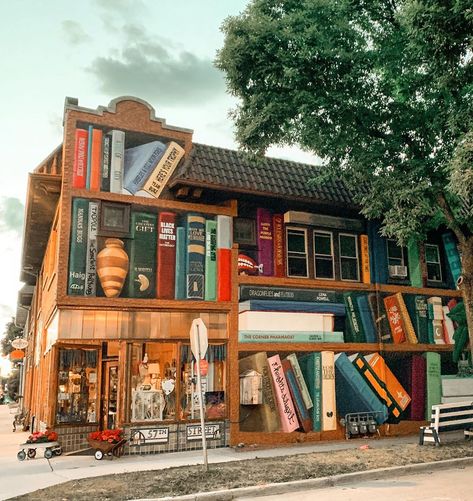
x=213, y=380
x=77, y=386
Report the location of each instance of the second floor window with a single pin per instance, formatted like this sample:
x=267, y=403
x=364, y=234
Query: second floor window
x=396, y=259
x=432, y=260
x=296, y=240
x=323, y=255
x=349, y=267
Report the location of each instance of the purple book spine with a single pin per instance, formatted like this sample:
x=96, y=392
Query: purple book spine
x=264, y=228
x=417, y=388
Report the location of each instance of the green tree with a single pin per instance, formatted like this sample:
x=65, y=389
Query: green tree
x=11, y=332
x=381, y=90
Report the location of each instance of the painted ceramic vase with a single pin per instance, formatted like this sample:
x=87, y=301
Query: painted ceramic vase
x=112, y=267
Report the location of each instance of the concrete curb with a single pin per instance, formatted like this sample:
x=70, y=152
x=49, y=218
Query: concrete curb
x=318, y=483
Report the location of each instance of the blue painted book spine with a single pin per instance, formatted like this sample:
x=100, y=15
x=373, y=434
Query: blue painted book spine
x=181, y=252
x=195, y=264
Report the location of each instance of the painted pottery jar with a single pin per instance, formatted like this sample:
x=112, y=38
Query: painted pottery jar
x=112, y=266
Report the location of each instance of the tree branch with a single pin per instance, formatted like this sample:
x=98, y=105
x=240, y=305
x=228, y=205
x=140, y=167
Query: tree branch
x=452, y=223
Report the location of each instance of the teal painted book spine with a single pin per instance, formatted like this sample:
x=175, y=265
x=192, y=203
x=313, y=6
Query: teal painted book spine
x=92, y=250
x=89, y=158
x=453, y=256
x=195, y=264
x=141, y=279
x=413, y=264
x=311, y=367
x=180, y=280
x=353, y=327
x=210, y=260
x=78, y=250
x=433, y=381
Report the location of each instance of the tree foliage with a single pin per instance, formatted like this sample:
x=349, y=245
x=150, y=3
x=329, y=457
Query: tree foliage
x=381, y=90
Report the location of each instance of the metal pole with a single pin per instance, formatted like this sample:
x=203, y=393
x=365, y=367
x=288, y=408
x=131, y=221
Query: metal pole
x=201, y=403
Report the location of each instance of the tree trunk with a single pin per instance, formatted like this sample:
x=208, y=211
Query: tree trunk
x=466, y=286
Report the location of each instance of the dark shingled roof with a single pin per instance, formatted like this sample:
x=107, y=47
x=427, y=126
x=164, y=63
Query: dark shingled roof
x=221, y=168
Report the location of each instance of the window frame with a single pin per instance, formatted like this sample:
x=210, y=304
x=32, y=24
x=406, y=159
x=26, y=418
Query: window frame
x=357, y=257
x=439, y=262
x=323, y=256
x=306, y=253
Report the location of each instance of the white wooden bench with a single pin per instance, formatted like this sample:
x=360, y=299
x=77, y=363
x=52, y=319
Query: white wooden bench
x=448, y=417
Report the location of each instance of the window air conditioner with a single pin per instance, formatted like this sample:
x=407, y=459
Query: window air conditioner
x=398, y=271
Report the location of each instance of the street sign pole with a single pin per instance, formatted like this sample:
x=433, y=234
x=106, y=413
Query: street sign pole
x=201, y=403
x=199, y=344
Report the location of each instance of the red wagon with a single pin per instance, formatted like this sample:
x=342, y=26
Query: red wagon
x=104, y=448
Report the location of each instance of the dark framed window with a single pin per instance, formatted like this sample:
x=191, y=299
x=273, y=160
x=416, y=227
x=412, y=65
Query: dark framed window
x=349, y=260
x=323, y=255
x=244, y=231
x=432, y=260
x=396, y=259
x=296, y=241
x=114, y=219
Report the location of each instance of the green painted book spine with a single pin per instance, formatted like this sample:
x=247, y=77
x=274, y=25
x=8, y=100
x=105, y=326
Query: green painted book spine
x=311, y=367
x=181, y=246
x=78, y=250
x=453, y=256
x=195, y=263
x=433, y=381
x=354, y=328
x=413, y=264
x=210, y=260
x=92, y=250
x=141, y=279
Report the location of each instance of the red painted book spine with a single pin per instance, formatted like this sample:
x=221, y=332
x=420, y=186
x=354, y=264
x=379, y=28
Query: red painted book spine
x=96, y=161
x=417, y=387
x=79, y=171
x=165, y=279
x=278, y=245
x=224, y=258
x=395, y=319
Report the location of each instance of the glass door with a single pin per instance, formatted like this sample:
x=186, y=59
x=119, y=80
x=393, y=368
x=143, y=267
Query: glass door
x=109, y=394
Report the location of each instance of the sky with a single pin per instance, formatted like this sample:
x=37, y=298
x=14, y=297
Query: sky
x=95, y=50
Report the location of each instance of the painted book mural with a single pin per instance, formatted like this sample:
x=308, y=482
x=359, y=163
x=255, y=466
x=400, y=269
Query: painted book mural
x=166, y=253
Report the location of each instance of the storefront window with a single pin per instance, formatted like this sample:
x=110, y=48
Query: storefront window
x=77, y=386
x=212, y=380
x=153, y=381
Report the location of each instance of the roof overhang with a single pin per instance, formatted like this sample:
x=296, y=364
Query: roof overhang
x=42, y=198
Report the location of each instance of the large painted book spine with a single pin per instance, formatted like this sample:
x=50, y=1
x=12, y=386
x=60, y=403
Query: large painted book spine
x=453, y=256
x=406, y=320
x=353, y=392
x=106, y=160
x=448, y=326
x=181, y=252
x=311, y=367
x=195, y=264
x=417, y=309
x=140, y=162
x=394, y=318
x=329, y=413
x=285, y=320
x=78, y=250
x=224, y=258
x=96, y=160
x=160, y=175
x=366, y=318
x=285, y=336
x=365, y=260
x=141, y=279
x=433, y=381
x=117, y=161
x=337, y=309
x=378, y=313
x=287, y=412
x=92, y=249
x=79, y=170
x=89, y=157
x=434, y=308
x=166, y=255
x=378, y=254
x=301, y=410
x=300, y=380
x=417, y=382
x=263, y=417
x=354, y=328
x=414, y=264
x=279, y=254
x=264, y=237
x=210, y=260
x=398, y=396
x=288, y=294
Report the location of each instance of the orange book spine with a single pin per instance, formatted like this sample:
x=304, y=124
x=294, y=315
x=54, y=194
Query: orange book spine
x=224, y=262
x=95, y=165
x=395, y=321
x=365, y=260
x=406, y=320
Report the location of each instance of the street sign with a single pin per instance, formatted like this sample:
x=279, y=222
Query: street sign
x=19, y=343
x=199, y=338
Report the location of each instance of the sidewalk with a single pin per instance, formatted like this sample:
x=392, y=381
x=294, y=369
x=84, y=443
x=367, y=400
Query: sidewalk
x=21, y=477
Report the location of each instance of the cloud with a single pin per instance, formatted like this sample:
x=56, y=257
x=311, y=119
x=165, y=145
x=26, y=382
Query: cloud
x=74, y=32
x=11, y=215
x=154, y=69
x=121, y=6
